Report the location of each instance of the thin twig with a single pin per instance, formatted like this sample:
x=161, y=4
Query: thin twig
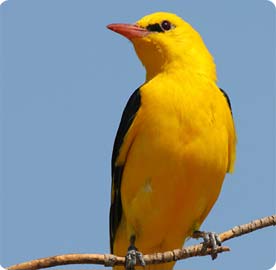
x=169, y=256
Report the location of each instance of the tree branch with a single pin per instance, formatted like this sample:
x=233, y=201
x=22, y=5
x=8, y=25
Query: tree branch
x=157, y=258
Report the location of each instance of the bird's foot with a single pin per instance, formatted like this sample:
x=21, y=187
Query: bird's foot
x=210, y=240
x=133, y=255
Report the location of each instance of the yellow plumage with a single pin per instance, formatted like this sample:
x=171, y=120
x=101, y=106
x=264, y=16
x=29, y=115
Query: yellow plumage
x=180, y=144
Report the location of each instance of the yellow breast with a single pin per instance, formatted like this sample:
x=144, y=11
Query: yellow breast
x=176, y=163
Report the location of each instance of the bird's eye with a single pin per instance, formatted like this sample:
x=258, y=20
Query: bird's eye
x=166, y=25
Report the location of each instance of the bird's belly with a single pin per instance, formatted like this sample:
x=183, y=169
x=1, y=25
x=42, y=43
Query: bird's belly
x=171, y=180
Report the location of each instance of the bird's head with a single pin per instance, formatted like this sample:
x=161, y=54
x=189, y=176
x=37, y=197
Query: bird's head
x=165, y=42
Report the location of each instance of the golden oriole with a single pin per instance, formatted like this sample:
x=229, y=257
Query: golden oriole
x=175, y=142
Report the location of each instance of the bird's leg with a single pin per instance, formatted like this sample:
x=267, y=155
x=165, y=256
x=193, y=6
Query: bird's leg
x=133, y=255
x=210, y=240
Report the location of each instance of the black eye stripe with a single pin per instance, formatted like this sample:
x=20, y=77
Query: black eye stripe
x=154, y=28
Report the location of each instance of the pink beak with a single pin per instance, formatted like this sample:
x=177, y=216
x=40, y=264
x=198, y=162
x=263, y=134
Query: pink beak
x=129, y=31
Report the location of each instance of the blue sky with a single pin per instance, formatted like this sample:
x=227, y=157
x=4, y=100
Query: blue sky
x=64, y=82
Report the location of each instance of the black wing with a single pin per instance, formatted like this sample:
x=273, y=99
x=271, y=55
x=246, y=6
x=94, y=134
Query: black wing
x=115, y=214
x=227, y=98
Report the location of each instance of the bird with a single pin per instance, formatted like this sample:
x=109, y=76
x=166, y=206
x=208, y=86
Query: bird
x=175, y=143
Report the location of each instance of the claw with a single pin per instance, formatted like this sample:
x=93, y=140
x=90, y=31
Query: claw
x=210, y=240
x=133, y=255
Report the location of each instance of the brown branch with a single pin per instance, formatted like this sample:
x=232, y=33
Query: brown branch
x=169, y=256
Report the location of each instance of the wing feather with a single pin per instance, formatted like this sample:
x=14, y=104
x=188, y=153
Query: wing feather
x=128, y=116
x=227, y=98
